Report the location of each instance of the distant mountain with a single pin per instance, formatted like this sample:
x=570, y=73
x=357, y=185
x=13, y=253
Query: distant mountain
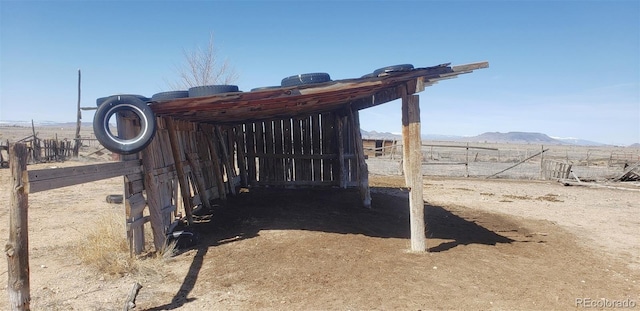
x=437, y=137
x=579, y=142
x=393, y=136
x=379, y=136
x=636, y=145
x=515, y=137
x=493, y=137
x=490, y=137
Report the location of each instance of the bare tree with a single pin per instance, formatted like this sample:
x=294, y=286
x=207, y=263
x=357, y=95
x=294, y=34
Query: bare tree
x=202, y=66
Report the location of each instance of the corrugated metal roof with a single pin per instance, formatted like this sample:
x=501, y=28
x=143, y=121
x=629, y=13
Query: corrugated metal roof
x=303, y=100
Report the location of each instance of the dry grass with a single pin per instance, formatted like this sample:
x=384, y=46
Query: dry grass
x=105, y=248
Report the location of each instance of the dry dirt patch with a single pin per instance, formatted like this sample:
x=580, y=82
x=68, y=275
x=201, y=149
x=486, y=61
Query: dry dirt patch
x=318, y=250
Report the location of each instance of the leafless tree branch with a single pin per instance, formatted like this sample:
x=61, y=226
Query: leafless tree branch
x=203, y=67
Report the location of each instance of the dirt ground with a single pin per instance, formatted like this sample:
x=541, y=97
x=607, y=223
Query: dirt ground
x=493, y=244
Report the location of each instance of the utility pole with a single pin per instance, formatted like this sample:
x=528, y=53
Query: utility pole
x=76, y=148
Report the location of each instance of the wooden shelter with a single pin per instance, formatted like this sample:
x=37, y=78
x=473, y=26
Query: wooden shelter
x=207, y=148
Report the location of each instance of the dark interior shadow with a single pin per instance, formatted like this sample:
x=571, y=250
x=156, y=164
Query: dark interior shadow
x=336, y=211
x=326, y=210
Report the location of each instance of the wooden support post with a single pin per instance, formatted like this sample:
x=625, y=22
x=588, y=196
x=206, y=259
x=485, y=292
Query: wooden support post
x=215, y=158
x=135, y=236
x=363, y=170
x=152, y=186
x=198, y=175
x=241, y=154
x=251, y=153
x=17, y=248
x=413, y=167
x=342, y=171
x=226, y=158
x=182, y=178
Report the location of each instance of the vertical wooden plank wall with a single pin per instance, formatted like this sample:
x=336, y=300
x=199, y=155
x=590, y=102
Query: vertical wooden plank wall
x=201, y=152
x=315, y=150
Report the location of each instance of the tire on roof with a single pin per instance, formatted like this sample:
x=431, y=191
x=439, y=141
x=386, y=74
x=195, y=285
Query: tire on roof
x=394, y=68
x=306, y=78
x=101, y=100
x=120, y=103
x=207, y=90
x=169, y=95
x=262, y=88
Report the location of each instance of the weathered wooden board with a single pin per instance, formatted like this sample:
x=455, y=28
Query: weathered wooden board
x=260, y=149
x=316, y=133
x=47, y=179
x=278, y=150
x=287, y=135
x=328, y=146
x=251, y=152
x=297, y=148
x=135, y=204
x=270, y=163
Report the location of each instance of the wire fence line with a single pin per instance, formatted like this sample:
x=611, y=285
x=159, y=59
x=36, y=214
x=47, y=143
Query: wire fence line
x=528, y=160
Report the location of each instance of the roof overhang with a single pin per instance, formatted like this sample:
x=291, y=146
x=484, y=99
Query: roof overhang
x=287, y=102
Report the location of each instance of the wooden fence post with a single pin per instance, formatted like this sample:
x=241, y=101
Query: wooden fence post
x=17, y=249
x=542, y=162
x=466, y=162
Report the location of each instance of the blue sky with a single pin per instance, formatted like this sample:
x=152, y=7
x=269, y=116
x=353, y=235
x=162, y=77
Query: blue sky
x=563, y=68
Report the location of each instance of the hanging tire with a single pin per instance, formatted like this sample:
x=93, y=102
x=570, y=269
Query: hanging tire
x=101, y=100
x=305, y=78
x=207, y=90
x=169, y=95
x=394, y=68
x=120, y=103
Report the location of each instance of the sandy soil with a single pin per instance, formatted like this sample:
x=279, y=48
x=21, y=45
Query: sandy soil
x=493, y=244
